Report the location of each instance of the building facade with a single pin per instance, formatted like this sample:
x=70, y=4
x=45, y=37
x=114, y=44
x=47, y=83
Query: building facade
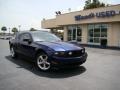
x=89, y=26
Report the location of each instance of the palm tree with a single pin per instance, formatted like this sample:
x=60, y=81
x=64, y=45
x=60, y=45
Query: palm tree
x=93, y=4
x=4, y=29
x=87, y=4
x=14, y=30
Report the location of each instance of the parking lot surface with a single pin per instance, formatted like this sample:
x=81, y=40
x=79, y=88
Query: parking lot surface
x=100, y=72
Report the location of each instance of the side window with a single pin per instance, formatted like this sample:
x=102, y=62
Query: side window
x=24, y=36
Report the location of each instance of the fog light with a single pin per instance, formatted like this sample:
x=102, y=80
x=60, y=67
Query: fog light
x=70, y=53
x=56, y=53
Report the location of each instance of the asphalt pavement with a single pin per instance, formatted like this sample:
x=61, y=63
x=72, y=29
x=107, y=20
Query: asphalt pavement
x=100, y=72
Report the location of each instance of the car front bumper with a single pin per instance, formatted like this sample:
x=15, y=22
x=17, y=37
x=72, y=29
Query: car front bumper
x=68, y=62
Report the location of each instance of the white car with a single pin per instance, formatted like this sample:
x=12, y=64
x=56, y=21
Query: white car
x=6, y=37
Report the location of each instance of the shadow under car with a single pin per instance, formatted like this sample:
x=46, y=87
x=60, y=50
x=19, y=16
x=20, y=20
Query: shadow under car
x=53, y=73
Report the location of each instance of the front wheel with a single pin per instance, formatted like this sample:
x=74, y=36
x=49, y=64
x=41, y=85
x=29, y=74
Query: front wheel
x=42, y=62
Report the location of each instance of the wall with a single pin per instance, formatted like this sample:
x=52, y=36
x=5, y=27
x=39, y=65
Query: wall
x=49, y=23
x=113, y=34
x=84, y=33
x=69, y=18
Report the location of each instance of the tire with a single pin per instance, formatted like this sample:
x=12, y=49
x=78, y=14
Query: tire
x=12, y=52
x=42, y=62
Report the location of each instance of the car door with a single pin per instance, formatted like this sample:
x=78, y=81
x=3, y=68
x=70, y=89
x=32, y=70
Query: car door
x=26, y=47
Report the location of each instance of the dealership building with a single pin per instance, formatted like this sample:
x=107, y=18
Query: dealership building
x=88, y=27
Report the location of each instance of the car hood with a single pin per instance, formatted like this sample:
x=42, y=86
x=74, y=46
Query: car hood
x=61, y=46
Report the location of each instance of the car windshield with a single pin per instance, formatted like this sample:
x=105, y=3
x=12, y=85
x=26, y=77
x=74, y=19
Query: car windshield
x=44, y=36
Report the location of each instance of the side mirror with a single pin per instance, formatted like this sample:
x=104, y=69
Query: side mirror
x=27, y=40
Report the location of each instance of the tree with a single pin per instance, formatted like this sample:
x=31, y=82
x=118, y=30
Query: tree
x=14, y=30
x=93, y=4
x=87, y=4
x=4, y=29
x=32, y=29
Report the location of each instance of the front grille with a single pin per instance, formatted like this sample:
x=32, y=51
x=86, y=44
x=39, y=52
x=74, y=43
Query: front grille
x=77, y=53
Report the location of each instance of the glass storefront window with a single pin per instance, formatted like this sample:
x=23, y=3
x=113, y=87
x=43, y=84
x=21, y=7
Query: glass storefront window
x=96, y=32
x=91, y=26
x=69, y=34
x=91, y=33
x=104, y=26
x=96, y=40
x=90, y=40
x=104, y=32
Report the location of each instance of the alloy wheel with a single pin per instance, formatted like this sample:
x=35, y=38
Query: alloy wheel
x=12, y=52
x=42, y=62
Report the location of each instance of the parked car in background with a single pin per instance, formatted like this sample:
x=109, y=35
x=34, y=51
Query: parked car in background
x=1, y=37
x=47, y=50
x=6, y=37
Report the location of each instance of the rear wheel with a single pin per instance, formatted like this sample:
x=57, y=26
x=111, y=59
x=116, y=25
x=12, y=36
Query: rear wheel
x=12, y=52
x=42, y=62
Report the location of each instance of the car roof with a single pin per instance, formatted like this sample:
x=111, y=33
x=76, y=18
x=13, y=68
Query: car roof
x=30, y=31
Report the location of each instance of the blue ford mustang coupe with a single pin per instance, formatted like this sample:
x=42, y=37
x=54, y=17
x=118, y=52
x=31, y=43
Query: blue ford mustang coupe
x=47, y=50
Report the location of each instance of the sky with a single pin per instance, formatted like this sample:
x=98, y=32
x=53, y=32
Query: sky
x=29, y=13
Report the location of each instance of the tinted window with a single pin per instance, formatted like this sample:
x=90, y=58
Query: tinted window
x=24, y=36
x=97, y=32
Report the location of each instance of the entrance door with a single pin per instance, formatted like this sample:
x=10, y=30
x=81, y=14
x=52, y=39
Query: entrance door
x=74, y=33
x=71, y=33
